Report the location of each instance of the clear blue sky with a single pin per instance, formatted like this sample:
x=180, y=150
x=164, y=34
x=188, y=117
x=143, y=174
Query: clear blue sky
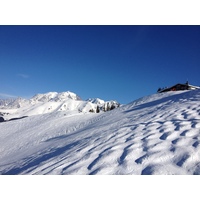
x=122, y=63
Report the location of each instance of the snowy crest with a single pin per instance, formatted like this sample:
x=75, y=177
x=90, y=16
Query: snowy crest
x=54, y=96
x=96, y=101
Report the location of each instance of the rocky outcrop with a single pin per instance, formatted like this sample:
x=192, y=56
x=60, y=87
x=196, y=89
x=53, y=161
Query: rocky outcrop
x=104, y=105
x=110, y=105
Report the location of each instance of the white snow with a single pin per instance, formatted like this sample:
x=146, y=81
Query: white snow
x=96, y=100
x=157, y=134
x=51, y=102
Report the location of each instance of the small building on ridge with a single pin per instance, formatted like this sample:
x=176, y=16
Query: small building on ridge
x=178, y=87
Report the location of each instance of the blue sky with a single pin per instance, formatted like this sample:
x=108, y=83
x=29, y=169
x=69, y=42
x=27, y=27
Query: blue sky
x=122, y=63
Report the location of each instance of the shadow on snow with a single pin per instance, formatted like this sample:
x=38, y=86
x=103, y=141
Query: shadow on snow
x=35, y=162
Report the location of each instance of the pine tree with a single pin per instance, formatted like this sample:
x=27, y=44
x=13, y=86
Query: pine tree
x=98, y=109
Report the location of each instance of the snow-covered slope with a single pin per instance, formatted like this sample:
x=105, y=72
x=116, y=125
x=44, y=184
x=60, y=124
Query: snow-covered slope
x=158, y=134
x=52, y=102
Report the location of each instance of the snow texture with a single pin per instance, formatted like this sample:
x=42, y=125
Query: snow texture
x=157, y=134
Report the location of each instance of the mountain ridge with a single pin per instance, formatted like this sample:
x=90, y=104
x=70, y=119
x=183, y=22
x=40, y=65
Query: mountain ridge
x=51, y=102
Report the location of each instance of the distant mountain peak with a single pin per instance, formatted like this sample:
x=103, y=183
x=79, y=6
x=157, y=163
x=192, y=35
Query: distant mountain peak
x=55, y=96
x=52, y=102
x=96, y=100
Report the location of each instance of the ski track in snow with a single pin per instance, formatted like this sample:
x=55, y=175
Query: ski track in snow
x=159, y=134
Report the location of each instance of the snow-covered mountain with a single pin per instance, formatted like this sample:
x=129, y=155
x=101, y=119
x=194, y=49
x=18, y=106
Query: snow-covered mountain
x=54, y=96
x=157, y=134
x=52, y=102
x=104, y=105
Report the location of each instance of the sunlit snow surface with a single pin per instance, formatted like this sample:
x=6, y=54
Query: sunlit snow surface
x=158, y=134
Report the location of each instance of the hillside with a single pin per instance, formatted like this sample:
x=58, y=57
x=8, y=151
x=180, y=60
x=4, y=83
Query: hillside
x=157, y=134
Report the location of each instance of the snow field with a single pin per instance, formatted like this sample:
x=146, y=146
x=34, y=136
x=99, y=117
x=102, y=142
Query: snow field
x=158, y=134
